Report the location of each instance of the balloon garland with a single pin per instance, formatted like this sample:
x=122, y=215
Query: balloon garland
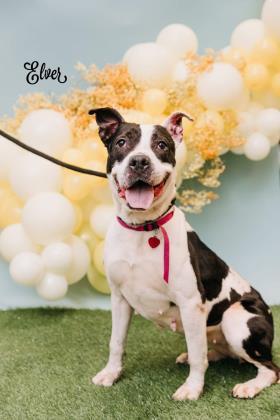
x=54, y=220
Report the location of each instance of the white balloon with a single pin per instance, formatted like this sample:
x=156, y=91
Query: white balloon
x=58, y=257
x=271, y=16
x=13, y=240
x=246, y=123
x=181, y=72
x=52, y=287
x=31, y=174
x=179, y=39
x=257, y=146
x=100, y=219
x=221, y=87
x=181, y=156
x=80, y=260
x=150, y=64
x=46, y=130
x=268, y=123
x=247, y=34
x=48, y=217
x=27, y=268
x=238, y=150
x=8, y=153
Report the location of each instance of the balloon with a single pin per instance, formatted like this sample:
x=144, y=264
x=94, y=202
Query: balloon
x=257, y=146
x=181, y=155
x=46, y=130
x=210, y=119
x=52, y=287
x=256, y=76
x=87, y=235
x=234, y=56
x=100, y=219
x=98, y=258
x=13, y=240
x=268, y=123
x=221, y=87
x=266, y=51
x=79, y=218
x=150, y=64
x=73, y=156
x=238, y=150
x=10, y=209
x=181, y=72
x=98, y=281
x=8, y=153
x=58, y=257
x=275, y=84
x=94, y=181
x=27, y=268
x=48, y=217
x=179, y=39
x=75, y=186
x=154, y=101
x=248, y=34
x=271, y=16
x=246, y=123
x=94, y=150
x=80, y=260
x=31, y=174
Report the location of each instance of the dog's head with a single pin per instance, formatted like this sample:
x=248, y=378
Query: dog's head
x=141, y=158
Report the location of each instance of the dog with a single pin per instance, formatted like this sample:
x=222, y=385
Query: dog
x=158, y=266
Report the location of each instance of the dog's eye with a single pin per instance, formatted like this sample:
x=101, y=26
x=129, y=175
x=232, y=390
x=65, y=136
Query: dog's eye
x=162, y=145
x=121, y=142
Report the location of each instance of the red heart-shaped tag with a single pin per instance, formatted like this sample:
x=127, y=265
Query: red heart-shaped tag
x=154, y=242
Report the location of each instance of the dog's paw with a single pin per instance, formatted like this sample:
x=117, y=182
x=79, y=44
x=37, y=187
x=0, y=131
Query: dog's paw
x=187, y=392
x=182, y=358
x=246, y=390
x=106, y=377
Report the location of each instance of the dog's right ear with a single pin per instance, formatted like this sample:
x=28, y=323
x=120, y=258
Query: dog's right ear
x=108, y=121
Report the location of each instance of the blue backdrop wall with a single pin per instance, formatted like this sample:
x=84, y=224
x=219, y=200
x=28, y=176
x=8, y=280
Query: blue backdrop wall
x=243, y=226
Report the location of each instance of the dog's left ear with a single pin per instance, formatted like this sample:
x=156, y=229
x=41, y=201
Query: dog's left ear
x=108, y=121
x=173, y=125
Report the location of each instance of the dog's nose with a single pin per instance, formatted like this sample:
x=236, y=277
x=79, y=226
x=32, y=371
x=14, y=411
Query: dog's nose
x=139, y=162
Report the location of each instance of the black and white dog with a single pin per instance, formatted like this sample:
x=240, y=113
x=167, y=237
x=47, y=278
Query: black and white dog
x=157, y=265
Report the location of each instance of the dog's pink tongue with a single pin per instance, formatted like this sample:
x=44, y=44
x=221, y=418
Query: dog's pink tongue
x=140, y=197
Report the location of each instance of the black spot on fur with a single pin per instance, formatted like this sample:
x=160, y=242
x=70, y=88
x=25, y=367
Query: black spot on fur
x=131, y=133
x=259, y=344
x=209, y=269
x=160, y=134
x=217, y=311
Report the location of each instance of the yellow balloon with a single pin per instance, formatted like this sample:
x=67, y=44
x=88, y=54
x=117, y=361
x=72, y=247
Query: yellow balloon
x=79, y=218
x=93, y=149
x=73, y=156
x=98, y=281
x=75, y=186
x=154, y=101
x=94, y=181
x=87, y=235
x=11, y=206
x=211, y=119
x=266, y=52
x=235, y=57
x=256, y=76
x=98, y=257
x=275, y=84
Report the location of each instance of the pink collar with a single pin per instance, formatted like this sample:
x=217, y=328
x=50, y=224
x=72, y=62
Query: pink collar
x=154, y=240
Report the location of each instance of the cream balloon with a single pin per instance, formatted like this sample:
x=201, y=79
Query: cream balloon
x=154, y=101
x=48, y=217
x=179, y=39
x=14, y=240
x=257, y=146
x=52, y=287
x=247, y=34
x=58, y=257
x=31, y=174
x=150, y=64
x=80, y=259
x=246, y=123
x=268, y=123
x=271, y=16
x=100, y=219
x=8, y=154
x=181, y=72
x=98, y=258
x=46, y=130
x=221, y=87
x=27, y=268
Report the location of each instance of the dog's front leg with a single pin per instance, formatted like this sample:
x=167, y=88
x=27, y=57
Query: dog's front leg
x=121, y=316
x=193, y=315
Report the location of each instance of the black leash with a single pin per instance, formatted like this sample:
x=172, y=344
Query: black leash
x=50, y=158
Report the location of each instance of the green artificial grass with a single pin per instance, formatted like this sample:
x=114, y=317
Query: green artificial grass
x=48, y=356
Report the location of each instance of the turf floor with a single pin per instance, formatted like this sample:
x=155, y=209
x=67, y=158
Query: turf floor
x=47, y=357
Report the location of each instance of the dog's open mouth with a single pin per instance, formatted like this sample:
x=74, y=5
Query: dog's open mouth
x=141, y=195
